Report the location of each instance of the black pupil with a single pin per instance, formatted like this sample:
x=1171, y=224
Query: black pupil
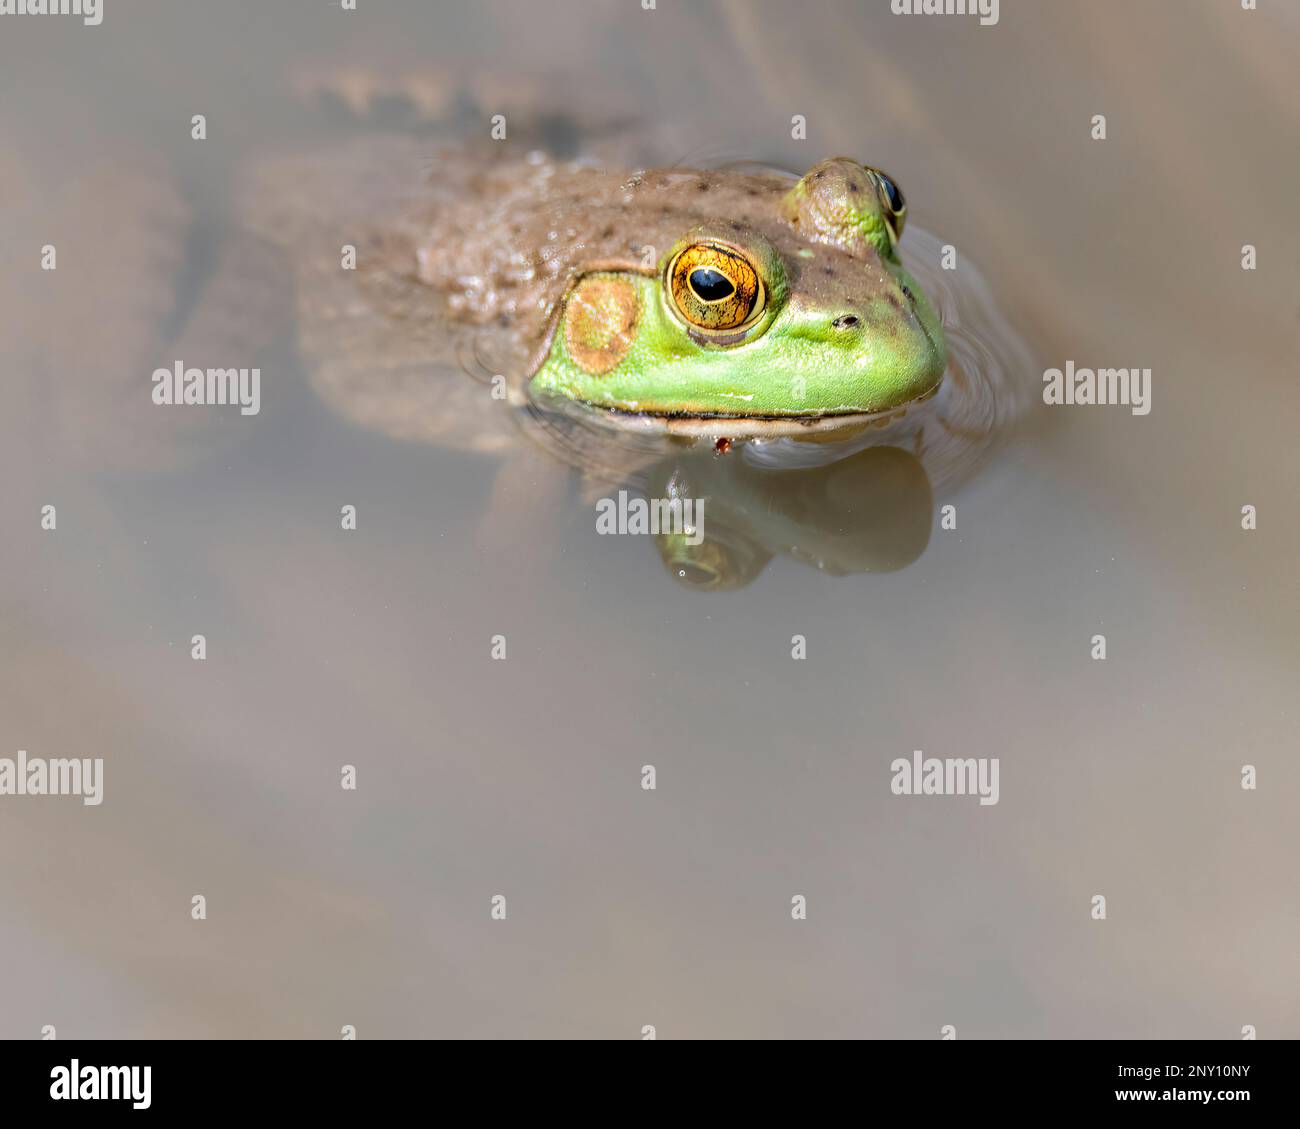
x=895, y=197
x=711, y=285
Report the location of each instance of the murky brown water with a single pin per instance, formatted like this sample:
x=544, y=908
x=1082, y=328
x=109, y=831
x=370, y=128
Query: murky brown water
x=522, y=778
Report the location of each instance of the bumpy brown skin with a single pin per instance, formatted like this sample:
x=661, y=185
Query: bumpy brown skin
x=488, y=241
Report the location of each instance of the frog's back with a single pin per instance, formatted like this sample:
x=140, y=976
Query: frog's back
x=507, y=250
x=349, y=218
x=462, y=253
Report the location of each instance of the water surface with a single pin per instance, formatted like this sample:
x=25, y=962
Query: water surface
x=522, y=778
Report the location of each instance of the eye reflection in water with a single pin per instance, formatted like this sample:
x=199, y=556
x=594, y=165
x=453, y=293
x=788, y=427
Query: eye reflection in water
x=871, y=512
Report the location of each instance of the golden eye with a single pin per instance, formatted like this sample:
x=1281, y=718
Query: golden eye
x=891, y=201
x=715, y=287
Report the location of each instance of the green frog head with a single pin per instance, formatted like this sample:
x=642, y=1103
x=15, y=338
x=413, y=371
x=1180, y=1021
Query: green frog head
x=783, y=309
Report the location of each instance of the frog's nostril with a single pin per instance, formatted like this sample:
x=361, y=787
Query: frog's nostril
x=845, y=321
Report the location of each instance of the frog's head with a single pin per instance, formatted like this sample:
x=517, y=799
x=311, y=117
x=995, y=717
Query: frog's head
x=796, y=317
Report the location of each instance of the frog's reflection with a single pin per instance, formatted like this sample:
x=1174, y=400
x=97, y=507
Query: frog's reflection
x=870, y=512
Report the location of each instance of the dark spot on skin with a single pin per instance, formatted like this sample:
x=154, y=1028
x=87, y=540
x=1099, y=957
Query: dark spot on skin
x=845, y=321
x=751, y=191
x=893, y=301
x=703, y=186
x=609, y=231
x=907, y=294
x=819, y=175
x=722, y=446
x=854, y=186
x=830, y=271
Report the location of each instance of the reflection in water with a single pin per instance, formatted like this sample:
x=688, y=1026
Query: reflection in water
x=870, y=512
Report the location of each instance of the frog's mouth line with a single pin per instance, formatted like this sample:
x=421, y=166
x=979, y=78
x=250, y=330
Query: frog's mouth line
x=715, y=424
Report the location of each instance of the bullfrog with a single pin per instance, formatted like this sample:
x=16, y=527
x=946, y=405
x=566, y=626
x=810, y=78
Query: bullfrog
x=555, y=292
x=615, y=309
x=698, y=306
